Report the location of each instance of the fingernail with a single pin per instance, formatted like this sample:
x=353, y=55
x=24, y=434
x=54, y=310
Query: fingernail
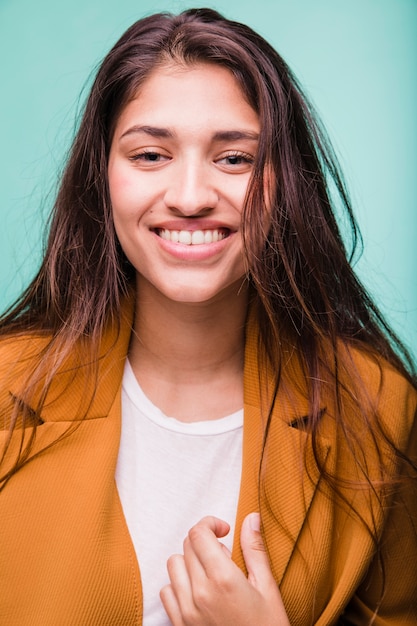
x=255, y=522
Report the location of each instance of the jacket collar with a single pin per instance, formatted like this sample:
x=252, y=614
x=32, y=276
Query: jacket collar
x=287, y=487
x=72, y=387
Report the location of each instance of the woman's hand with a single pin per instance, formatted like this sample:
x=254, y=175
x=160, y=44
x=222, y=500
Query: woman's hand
x=208, y=589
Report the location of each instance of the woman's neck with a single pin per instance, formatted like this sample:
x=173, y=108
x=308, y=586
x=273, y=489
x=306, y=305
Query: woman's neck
x=188, y=358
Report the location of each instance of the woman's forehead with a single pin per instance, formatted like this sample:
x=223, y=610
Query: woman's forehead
x=190, y=96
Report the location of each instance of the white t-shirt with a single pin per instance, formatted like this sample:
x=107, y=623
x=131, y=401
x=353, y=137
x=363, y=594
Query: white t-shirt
x=169, y=475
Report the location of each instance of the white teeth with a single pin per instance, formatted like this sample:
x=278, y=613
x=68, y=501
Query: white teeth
x=195, y=238
x=184, y=237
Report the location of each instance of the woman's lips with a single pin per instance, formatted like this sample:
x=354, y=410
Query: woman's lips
x=194, y=237
x=193, y=245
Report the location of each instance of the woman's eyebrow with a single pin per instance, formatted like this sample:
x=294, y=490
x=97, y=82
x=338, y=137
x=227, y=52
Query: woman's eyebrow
x=235, y=135
x=165, y=133
x=153, y=131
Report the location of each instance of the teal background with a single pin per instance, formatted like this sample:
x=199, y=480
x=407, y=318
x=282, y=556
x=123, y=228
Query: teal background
x=357, y=61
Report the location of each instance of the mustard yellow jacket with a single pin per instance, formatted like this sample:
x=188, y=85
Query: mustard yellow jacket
x=66, y=557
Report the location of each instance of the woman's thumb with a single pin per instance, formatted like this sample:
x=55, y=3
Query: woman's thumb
x=257, y=563
x=254, y=553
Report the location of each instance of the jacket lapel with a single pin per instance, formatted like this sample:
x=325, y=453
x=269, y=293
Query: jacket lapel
x=289, y=478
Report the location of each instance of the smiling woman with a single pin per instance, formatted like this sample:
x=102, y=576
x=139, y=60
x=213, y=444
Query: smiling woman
x=179, y=169
x=206, y=420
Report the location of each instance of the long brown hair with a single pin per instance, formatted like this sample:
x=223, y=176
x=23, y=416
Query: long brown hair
x=304, y=289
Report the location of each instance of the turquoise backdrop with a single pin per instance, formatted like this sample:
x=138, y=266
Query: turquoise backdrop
x=356, y=59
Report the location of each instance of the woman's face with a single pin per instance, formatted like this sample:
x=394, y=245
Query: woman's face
x=179, y=166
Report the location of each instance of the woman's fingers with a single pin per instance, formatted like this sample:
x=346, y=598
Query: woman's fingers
x=177, y=597
x=208, y=589
x=203, y=552
x=171, y=605
x=194, y=575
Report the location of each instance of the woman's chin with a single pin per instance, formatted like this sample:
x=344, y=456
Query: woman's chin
x=192, y=293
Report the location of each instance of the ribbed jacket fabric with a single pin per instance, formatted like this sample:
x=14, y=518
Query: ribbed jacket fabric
x=66, y=558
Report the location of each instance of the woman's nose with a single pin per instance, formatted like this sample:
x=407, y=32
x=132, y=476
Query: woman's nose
x=190, y=190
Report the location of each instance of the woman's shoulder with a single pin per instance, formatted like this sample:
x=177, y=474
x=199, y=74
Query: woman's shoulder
x=20, y=351
x=17, y=349
x=382, y=388
x=384, y=380
x=19, y=356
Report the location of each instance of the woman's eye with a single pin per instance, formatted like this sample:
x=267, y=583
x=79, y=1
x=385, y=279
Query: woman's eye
x=237, y=159
x=149, y=156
